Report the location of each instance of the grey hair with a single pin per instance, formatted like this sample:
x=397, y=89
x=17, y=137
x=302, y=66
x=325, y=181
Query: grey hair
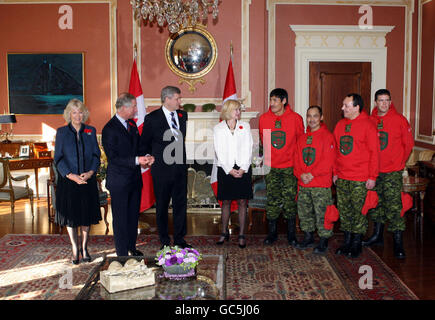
x=168, y=92
x=75, y=103
x=124, y=99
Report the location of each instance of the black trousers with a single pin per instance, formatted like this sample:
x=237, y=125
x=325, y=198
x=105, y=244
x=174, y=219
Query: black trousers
x=125, y=204
x=166, y=187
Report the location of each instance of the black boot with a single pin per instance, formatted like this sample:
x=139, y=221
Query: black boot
x=345, y=248
x=307, y=242
x=322, y=247
x=272, y=235
x=356, y=246
x=399, y=252
x=378, y=236
x=291, y=232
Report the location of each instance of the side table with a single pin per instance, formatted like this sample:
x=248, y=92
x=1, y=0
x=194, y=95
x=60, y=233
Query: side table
x=417, y=187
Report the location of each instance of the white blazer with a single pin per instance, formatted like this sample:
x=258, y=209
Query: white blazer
x=233, y=149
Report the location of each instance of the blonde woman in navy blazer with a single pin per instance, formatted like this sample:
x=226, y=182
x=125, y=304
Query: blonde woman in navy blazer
x=233, y=148
x=77, y=159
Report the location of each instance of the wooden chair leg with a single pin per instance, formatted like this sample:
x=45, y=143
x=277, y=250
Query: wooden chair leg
x=31, y=206
x=250, y=219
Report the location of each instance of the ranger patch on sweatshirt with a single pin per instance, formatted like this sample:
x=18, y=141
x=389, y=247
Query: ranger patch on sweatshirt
x=383, y=139
x=309, y=155
x=346, y=145
x=278, y=139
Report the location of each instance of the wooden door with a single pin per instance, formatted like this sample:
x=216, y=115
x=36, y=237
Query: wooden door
x=330, y=82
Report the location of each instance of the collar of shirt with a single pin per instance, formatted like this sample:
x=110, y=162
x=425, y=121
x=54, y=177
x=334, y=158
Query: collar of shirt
x=169, y=118
x=122, y=120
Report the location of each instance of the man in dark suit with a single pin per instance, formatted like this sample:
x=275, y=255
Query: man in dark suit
x=120, y=139
x=163, y=137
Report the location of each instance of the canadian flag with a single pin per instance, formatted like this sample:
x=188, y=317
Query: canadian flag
x=135, y=88
x=230, y=92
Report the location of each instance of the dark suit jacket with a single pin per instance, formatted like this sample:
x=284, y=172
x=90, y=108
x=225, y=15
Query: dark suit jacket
x=121, y=149
x=155, y=128
x=66, y=149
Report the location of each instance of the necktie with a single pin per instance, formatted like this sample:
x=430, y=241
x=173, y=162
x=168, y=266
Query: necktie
x=174, y=125
x=129, y=126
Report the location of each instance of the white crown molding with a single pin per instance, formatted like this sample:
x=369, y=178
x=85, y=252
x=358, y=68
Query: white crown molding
x=409, y=9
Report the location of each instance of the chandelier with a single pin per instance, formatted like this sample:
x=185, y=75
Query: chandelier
x=176, y=13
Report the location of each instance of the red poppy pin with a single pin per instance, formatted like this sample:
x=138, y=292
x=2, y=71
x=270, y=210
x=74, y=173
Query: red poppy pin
x=240, y=127
x=88, y=131
x=180, y=115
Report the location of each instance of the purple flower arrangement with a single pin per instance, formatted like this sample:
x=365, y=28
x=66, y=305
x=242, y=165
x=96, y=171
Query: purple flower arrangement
x=188, y=258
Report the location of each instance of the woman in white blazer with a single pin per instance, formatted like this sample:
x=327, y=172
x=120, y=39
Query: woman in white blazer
x=233, y=149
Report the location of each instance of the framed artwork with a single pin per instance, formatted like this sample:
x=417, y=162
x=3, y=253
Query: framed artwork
x=43, y=83
x=24, y=151
x=191, y=53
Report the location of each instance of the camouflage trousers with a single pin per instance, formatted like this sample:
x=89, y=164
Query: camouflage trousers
x=389, y=189
x=312, y=203
x=351, y=196
x=281, y=188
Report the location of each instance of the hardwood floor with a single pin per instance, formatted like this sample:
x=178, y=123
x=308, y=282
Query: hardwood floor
x=416, y=271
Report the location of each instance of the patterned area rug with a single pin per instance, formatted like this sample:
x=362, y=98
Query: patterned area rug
x=34, y=267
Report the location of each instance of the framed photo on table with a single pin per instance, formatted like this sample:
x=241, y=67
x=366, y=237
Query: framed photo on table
x=25, y=151
x=43, y=83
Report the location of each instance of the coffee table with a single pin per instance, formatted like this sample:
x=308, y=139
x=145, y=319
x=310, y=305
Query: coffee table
x=207, y=284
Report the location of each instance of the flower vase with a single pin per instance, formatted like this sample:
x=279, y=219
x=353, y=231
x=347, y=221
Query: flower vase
x=177, y=272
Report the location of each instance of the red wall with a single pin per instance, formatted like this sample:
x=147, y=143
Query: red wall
x=35, y=30
x=338, y=15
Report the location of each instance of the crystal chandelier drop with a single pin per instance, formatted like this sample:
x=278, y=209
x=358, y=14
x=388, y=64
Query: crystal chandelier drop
x=176, y=13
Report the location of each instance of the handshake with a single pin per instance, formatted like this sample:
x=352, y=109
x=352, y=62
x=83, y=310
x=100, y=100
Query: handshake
x=146, y=161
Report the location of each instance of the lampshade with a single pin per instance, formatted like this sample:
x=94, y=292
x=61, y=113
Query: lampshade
x=8, y=118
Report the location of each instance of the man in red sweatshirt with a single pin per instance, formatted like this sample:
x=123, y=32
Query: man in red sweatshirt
x=396, y=142
x=314, y=158
x=279, y=129
x=355, y=171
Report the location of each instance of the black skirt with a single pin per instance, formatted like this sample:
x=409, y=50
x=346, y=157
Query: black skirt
x=230, y=188
x=77, y=204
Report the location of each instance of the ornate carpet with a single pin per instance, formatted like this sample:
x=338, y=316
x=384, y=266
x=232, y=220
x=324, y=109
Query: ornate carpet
x=33, y=266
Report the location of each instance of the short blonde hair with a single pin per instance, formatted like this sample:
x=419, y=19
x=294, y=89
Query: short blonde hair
x=228, y=107
x=75, y=103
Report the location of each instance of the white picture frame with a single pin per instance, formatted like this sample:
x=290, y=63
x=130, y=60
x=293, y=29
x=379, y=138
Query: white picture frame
x=24, y=151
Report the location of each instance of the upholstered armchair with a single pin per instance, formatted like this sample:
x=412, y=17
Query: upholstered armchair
x=11, y=193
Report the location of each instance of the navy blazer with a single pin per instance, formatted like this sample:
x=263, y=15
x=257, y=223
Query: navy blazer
x=66, y=149
x=121, y=149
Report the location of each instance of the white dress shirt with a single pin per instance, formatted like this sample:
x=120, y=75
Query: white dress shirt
x=169, y=119
x=234, y=148
x=124, y=123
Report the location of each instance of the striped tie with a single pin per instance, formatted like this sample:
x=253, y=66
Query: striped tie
x=174, y=125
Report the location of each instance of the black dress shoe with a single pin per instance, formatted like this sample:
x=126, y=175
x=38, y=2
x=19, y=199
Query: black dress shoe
x=183, y=245
x=88, y=258
x=135, y=253
x=76, y=261
x=224, y=237
x=243, y=238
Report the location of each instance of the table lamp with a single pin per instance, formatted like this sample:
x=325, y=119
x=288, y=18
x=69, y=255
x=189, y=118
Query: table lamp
x=5, y=119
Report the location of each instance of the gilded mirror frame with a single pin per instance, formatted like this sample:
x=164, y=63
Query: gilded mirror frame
x=191, y=53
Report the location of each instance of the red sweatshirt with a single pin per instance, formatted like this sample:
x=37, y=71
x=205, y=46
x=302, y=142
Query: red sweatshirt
x=396, y=140
x=315, y=155
x=357, y=149
x=281, y=140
